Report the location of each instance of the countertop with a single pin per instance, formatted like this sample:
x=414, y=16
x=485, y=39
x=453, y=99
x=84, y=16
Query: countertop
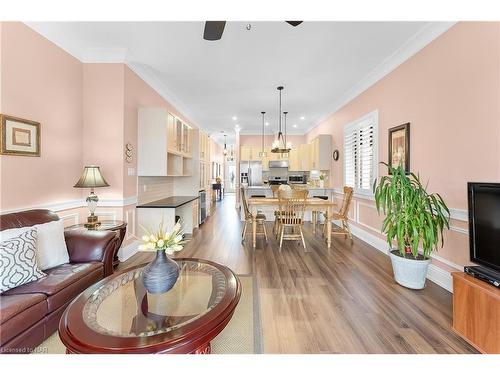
x=309, y=187
x=170, y=202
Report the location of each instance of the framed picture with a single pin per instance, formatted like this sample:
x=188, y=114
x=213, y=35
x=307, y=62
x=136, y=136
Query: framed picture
x=19, y=137
x=399, y=146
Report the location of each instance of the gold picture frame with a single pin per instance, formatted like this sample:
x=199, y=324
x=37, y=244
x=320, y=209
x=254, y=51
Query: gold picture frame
x=399, y=146
x=19, y=137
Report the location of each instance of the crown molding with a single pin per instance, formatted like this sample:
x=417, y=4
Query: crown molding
x=413, y=45
x=151, y=78
x=104, y=55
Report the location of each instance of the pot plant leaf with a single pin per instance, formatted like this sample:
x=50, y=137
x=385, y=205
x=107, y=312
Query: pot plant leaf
x=414, y=219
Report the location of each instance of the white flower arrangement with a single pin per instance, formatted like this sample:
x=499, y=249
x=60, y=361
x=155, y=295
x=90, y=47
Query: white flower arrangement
x=163, y=240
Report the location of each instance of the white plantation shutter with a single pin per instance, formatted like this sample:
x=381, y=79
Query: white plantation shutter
x=360, y=153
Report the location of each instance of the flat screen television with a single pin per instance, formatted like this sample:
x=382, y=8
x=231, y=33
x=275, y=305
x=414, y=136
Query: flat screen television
x=484, y=224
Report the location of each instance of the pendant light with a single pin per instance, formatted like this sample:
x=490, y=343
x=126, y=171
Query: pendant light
x=262, y=153
x=225, y=147
x=288, y=144
x=279, y=144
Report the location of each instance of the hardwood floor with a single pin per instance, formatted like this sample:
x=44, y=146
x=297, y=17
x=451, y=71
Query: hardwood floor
x=342, y=300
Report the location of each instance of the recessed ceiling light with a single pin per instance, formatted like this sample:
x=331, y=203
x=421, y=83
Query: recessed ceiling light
x=267, y=124
x=294, y=125
x=302, y=117
x=234, y=118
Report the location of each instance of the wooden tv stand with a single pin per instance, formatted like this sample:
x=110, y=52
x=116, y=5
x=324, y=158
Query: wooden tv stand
x=476, y=312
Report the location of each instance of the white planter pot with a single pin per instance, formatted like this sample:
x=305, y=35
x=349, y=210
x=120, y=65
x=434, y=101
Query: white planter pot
x=410, y=273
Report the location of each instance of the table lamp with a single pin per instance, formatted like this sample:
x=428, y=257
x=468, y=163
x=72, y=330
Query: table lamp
x=91, y=178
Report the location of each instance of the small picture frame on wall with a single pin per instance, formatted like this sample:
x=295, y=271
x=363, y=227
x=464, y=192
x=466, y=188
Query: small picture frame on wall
x=399, y=146
x=19, y=137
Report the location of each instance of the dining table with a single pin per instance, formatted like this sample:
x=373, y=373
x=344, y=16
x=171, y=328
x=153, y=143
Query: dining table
x=312, y=204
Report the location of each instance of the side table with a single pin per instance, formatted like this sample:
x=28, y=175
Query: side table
x=118, y=226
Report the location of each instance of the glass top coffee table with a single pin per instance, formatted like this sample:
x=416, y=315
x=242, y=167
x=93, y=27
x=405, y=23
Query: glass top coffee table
x=118, y=315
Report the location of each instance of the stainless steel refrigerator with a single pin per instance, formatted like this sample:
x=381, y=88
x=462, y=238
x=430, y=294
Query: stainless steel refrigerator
x=253, y=170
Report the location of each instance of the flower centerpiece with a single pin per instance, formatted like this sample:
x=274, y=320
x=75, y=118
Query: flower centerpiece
x=161, y=275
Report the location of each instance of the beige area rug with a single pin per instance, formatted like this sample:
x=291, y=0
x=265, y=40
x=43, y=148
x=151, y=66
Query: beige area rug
x=241, y=336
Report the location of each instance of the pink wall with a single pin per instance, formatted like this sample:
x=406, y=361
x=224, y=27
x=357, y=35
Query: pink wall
x=88, y=113
x=450, y=93
x=41, y=82
x=103, y=118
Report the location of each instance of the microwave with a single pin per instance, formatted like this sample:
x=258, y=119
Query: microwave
x=297, y=179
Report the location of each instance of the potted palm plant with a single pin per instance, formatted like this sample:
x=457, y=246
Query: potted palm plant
x=414, y=220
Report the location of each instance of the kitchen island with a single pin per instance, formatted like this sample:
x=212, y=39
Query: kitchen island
x=150, y=214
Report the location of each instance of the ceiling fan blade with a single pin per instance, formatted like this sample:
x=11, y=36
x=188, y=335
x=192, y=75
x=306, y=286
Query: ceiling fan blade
x=294, y=23
x=213, y=30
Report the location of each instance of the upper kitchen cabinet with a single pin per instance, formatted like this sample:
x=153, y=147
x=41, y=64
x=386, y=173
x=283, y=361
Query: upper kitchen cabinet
x=304, y=156
x=294, y=160
x=204, y=146
x=160, y=151
x=252, y=153
x=320, y=149
x=179, y=137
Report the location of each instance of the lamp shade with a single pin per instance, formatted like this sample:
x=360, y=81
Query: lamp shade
x=91, y=178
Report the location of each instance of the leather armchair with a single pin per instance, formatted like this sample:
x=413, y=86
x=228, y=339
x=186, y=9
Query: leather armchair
x=92, y=246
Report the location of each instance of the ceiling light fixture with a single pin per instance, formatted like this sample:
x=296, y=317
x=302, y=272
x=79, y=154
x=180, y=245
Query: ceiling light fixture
x=225, y=146
x=262, y=153
x=302, y=118
x=267, y=124
x=280, y=145
x=294, y=125
x=234, y=118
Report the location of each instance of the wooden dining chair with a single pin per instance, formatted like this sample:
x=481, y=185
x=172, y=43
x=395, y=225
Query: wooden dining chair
x=276, y=226
x=260, y=218
x=292, y=205
x=342, y=215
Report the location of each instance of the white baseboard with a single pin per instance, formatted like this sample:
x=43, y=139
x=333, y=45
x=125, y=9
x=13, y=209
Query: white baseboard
x=435, y=274
x=127, y=251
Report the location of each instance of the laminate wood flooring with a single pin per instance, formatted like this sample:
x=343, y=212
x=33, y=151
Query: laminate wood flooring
x=342, y=300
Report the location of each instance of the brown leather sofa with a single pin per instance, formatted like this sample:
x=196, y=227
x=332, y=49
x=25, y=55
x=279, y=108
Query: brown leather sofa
x=30, y=313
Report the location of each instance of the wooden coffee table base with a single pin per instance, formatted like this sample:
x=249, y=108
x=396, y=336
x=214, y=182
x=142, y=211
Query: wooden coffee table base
x=205, y=349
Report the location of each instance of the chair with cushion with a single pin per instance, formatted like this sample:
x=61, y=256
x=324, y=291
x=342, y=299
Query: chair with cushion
x=260, y=218
x=292, y=205
x=30, y=313
x=342, y=215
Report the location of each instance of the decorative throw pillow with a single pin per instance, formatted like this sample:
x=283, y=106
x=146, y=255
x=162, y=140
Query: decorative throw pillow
x=18, y=264
x=51, y=250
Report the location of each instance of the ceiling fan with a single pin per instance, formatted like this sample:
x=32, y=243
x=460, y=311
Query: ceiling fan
x=214, y=29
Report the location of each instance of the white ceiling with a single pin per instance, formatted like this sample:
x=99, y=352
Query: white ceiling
x=320, y=64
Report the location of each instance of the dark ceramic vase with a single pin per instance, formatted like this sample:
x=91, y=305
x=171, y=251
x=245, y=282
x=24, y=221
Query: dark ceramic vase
x=160, y=275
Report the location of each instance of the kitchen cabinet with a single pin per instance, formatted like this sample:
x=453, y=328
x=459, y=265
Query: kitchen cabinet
x=164, y=144
x=320, y=149
x=294, y=160
x=179, y=137
x=245, y=153
x=303, y=151
x=250, y=153
x=204, y=146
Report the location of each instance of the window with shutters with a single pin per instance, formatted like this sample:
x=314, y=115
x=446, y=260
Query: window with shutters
x=360, y=153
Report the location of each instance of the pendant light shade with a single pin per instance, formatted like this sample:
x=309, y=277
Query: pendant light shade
x=225, y=146
x=279, y=144
x=262, y=153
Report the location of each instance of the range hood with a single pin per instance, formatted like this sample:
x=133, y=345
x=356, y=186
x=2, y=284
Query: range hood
x=278, y=164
